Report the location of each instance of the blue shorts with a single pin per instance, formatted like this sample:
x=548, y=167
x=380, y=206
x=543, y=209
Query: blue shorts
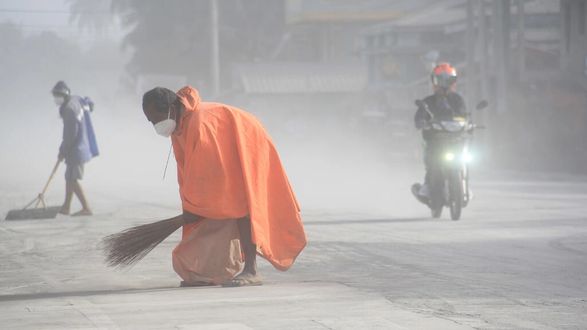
x=74, y=172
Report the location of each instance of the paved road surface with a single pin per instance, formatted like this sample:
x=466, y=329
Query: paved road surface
x=518, y=260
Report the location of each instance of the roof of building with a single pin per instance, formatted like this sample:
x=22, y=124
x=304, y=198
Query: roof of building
x=345, y=11
x=450, y=15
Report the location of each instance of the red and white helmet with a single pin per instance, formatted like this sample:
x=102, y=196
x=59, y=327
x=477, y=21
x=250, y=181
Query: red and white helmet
x=443, y=75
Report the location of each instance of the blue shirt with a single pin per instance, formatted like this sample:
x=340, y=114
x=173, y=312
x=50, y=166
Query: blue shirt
x=75, y=148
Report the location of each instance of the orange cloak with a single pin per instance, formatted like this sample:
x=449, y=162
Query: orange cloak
x=228, y=168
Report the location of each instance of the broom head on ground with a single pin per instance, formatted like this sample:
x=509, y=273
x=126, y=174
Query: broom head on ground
x=128, y=247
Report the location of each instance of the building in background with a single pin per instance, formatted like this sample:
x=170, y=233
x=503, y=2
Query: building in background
x=573, y=48
x=366, y=63
x=319, y=64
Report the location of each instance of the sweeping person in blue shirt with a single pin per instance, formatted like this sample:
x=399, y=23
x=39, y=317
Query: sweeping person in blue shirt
x=78, y=145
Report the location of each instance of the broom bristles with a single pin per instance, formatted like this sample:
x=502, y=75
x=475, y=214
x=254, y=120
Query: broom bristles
x=128, y=247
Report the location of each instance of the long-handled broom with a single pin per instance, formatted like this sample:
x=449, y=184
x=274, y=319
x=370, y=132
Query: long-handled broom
x=126, y=248
x=37, y=212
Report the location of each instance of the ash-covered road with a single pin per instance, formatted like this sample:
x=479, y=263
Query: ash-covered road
x=517, y=260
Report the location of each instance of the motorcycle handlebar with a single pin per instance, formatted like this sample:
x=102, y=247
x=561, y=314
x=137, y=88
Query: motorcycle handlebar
x=422, y=105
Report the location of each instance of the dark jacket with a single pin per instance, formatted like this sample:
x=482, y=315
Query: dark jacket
x=75, y=148
x=443, y=107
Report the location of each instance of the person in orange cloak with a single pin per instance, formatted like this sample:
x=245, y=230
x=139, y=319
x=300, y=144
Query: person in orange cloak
x=236, y=198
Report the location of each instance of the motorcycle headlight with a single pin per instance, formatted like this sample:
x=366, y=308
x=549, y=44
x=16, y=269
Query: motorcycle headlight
x=467, y=157
x=449, y=156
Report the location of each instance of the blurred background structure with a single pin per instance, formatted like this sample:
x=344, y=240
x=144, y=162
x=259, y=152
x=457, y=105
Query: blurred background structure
x=317, y=70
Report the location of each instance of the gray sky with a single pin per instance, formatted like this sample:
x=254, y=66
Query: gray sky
x=36, y=16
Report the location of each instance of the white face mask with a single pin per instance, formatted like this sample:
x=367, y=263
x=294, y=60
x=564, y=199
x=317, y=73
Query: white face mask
x=59, y=100
x=165, y=127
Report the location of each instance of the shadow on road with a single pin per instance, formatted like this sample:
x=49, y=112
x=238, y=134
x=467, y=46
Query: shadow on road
x=365, y=221
x=51, y=295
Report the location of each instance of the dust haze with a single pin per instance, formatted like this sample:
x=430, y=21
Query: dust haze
x=337, y=100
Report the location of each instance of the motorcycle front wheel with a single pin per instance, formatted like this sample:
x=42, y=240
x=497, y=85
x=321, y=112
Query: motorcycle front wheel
x=456, y=196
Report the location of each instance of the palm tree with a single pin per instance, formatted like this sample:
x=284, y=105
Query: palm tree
x=92, y=15
x=172, y=36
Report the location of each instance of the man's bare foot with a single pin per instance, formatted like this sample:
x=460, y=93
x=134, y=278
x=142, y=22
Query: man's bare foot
x=64, y=211
x=83, y=213
x=244, y=279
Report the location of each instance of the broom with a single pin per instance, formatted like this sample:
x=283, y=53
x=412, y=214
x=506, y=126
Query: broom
x=126, y=248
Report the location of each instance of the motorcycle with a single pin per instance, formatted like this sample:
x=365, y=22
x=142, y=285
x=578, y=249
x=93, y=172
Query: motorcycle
x=449, y=177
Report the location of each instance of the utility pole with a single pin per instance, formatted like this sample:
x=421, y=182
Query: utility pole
x=484, y=78
x=502, y=50
x=214, y=49
x=521, y=63
x=483, y=52
x=471, y=68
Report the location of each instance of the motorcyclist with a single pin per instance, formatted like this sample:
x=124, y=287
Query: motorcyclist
x=444, y=104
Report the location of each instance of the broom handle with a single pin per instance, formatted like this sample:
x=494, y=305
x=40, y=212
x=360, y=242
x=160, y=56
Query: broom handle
x=31, y=203
x=50, y=177
x=40, y=198
x=190, y=218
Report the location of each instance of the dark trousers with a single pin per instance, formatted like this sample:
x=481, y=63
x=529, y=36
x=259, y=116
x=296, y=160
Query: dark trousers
x=432, y=156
